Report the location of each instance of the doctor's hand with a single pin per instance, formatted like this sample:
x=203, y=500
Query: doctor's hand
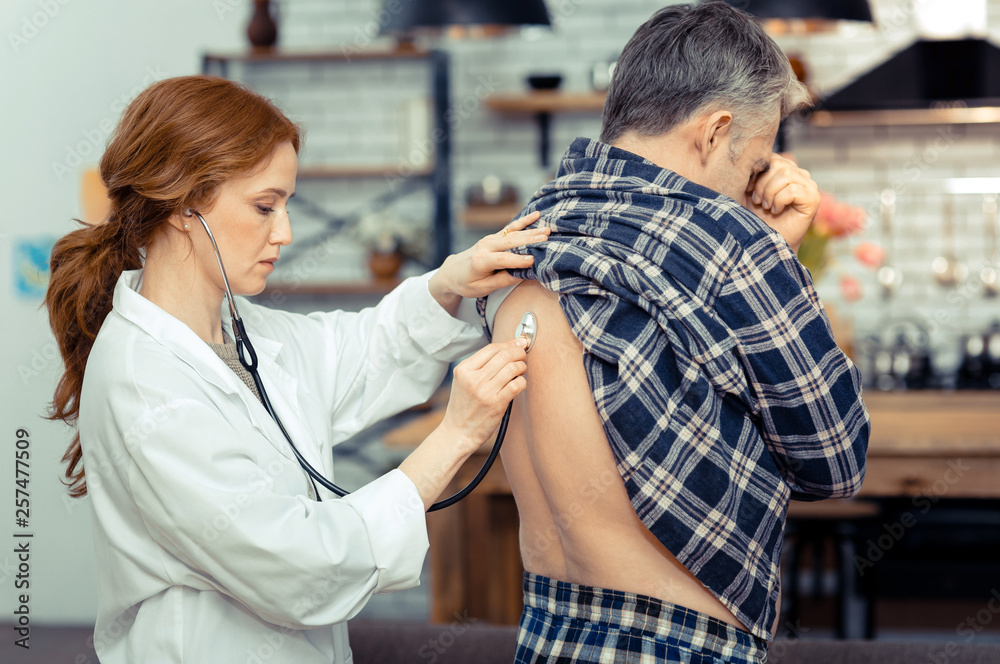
x=785, y=197
x=482, y=268
x=483, y=385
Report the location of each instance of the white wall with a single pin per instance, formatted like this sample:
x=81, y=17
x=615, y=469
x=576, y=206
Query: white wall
x=60, y=83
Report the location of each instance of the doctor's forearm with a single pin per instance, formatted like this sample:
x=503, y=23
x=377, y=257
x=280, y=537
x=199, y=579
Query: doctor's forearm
x=432, y=465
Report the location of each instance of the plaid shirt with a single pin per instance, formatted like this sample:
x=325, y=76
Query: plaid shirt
x=711, y=361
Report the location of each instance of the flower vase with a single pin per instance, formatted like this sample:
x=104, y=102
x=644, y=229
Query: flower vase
x=385, y=264
x=812, y=254
x=262, y=29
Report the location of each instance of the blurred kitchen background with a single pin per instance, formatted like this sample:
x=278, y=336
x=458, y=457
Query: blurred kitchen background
x=414, y=150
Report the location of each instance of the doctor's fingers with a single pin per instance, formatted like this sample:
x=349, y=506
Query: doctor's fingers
x=504, y=366
x=512, y=389
x=496, y=376
x=520, y=224
x=492, y=252
x=513, y=235
x=495, y=261
x=495, y=281
x=514, y=350
x=499, y=380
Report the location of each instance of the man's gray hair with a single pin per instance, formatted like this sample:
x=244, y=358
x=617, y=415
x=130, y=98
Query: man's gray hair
x=708, y=56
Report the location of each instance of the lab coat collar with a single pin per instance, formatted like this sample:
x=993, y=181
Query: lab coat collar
x=191, y=349
x=179, y=338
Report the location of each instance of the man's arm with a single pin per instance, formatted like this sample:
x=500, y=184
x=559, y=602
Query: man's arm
x=809, y=393
x=813, y=418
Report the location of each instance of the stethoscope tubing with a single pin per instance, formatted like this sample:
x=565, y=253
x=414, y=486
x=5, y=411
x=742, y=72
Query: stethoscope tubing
x=248, y=358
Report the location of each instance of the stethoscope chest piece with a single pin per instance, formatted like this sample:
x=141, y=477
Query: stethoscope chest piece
x=527, y=328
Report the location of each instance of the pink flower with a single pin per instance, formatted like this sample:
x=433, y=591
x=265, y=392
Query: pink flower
x=850, y=289
x=870, y=254
x=836, y=219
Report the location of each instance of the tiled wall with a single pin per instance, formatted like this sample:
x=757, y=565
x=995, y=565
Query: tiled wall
x=355, y=113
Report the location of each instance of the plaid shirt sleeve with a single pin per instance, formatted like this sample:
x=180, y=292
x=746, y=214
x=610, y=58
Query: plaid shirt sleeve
x=807, y=392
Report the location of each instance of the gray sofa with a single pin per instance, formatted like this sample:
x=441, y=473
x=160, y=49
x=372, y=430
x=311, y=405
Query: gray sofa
x=414, y=643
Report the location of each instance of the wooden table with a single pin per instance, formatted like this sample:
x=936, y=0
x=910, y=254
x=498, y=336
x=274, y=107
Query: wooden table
x=935, y=444
x=940, y=445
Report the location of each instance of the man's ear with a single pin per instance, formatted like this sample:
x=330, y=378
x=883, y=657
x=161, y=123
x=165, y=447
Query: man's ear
x=715, y=132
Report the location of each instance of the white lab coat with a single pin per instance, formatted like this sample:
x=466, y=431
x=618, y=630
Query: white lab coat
x=208, y=546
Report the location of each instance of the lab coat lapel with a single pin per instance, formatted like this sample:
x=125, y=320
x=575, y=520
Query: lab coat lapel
x=188, y=347
x=282, y=391
x=171, y=333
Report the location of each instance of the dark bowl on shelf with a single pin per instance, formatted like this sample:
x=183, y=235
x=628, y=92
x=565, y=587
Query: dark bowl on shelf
x=544, y=81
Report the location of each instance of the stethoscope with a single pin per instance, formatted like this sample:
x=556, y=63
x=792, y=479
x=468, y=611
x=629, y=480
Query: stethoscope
x=527, y=328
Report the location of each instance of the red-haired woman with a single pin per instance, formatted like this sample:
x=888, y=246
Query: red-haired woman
x=213, y=545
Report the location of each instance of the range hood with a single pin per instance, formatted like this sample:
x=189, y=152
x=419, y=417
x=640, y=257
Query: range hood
x=928, y=74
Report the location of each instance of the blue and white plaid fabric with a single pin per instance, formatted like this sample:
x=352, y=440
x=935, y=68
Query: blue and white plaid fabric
x=711, y=361
x=566, y=622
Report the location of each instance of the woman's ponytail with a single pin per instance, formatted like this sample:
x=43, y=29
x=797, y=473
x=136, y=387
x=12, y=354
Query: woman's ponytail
x=85, y=266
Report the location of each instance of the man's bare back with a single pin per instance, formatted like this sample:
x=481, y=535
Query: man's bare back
x=577, y=523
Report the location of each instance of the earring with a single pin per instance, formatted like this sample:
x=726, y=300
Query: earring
x=187, y=227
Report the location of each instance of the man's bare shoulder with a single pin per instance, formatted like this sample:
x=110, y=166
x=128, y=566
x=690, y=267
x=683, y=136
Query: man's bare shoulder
x=554, y=334
x=558, y=398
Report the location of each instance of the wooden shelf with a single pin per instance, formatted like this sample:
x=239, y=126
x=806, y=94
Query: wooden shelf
x=547, y=101
x=372, y=287
x=358, y=172
x=347, y=53
x=542, y=104
x=906, y=117
x=490, y=217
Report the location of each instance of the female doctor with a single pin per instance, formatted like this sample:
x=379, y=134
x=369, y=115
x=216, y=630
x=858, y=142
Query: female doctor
x=212, y=543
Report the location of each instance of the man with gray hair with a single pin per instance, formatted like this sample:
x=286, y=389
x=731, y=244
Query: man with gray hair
x=684, y=383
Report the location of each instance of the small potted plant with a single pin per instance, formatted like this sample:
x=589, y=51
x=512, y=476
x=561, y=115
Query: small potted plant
x=390, y=240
